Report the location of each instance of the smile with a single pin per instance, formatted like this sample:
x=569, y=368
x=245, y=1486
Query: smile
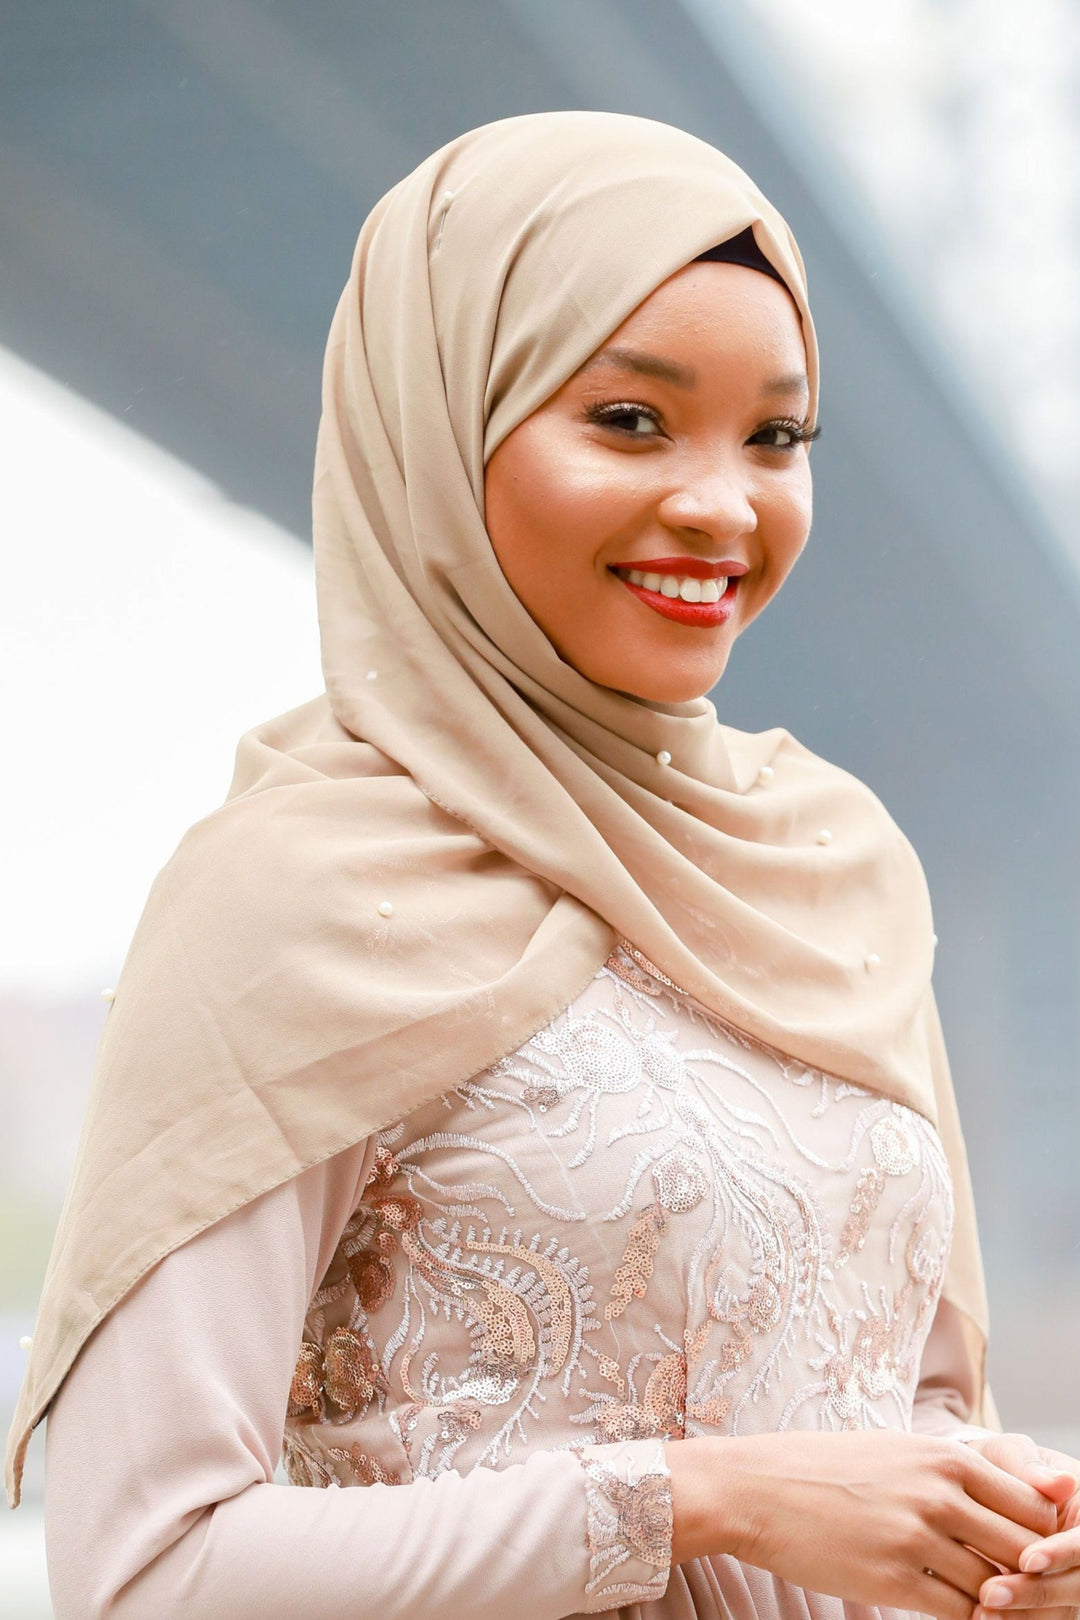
x=686, y=598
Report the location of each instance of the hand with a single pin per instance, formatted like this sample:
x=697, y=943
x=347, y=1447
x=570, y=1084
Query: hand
x=860, y=1515
x=1050, y=1581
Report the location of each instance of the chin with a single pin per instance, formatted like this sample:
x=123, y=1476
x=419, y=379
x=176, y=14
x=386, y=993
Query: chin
x=671, y=686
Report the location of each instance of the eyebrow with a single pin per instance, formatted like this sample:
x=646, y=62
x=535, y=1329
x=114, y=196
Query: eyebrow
x=796, y=382
x=648, y=365
x=672, y=371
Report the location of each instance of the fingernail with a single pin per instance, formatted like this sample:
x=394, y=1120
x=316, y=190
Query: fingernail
x=1034, y=1563
x=997, y=1596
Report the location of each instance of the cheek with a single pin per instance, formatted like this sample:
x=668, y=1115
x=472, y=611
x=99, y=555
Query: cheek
x=785, y=516
x=549, y=506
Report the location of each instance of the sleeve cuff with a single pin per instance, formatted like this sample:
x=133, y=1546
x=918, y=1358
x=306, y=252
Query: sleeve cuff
x=629, y=1523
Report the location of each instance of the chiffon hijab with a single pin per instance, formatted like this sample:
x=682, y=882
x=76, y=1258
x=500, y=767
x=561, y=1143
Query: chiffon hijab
x=420, y=868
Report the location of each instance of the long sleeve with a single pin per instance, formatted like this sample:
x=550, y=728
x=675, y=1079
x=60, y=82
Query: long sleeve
x=945, y=1393
x=162, y=1445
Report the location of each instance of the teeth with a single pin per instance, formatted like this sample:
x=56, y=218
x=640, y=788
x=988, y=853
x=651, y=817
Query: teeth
x=678, y=585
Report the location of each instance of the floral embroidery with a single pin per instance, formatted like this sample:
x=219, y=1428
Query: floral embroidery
x=636, y=1266
x=628, y=1492
x=639, y=1226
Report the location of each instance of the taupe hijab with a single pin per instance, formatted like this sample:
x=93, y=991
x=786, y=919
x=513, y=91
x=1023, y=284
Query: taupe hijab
x=417, y=870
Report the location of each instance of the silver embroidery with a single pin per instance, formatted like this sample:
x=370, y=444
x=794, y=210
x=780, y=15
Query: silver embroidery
x=640, y=1225
x=629, y=1524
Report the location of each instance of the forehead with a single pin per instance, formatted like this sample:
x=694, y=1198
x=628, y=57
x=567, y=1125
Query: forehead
x=713, y=308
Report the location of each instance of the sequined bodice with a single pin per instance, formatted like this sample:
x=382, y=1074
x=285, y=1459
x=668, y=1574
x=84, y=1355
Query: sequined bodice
x=639, y=1224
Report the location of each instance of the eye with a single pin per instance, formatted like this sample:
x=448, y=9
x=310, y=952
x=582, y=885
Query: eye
x=625, y=417
x=785, y=435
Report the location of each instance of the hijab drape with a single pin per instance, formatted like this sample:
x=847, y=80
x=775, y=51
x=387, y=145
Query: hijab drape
x=417, y=870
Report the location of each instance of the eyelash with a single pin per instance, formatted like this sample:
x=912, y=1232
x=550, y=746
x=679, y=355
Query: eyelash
x=604, y=412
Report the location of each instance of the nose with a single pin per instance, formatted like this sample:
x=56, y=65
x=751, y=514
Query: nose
x=715, y=502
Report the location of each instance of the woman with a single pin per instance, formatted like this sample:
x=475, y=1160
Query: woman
x=525, y=1090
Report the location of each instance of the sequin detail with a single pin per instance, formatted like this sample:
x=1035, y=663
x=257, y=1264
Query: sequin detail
x=639, y=1226
x=630, y=1524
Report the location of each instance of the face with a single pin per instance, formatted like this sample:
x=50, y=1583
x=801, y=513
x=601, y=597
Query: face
x=652, y=506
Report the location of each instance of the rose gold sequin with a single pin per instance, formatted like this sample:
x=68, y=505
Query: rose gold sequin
x=559, y=1303
x=868, y=1191
x=348, y=1377
x=305, y=1391
x=632, y=1274
x=609, y=1370
x=400, y=1212
x=364, y=1468
x=665, y=1394
x=712, y=1412
x=541, y=1097
x=460, y=1420
x=625, y=1423
x=373, y=1278
x=499, y=1278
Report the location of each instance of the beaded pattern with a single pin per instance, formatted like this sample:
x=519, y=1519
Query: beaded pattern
x=629, y=1528
x=640, y=1225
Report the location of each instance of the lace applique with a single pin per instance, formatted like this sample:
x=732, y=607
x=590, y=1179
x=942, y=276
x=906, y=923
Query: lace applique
x=629, y=1524
x=641, y=1224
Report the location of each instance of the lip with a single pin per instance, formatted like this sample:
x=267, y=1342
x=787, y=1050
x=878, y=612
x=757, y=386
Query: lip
x=698, y=615
x=687, y=567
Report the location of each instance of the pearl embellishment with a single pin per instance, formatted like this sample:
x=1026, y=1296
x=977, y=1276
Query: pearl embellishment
x=766, y=773
x=372, y=674
x=873, y=961
x=934, y=938
x=824, y=836
x=663, y=757
x=385, y=908
x=25, y=1342
x=109, y=996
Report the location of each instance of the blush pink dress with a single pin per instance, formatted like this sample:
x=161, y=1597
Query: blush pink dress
x=471, y=1336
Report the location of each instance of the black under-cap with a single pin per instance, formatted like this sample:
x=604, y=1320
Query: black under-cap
x=741, y=249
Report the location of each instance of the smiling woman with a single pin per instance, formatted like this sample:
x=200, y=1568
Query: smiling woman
x=664, y=485
x=523, y=1103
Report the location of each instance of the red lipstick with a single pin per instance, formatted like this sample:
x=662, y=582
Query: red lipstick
x=686, y=567
x=698, y=615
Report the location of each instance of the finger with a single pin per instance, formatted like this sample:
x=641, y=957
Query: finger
x=962, y=1567
x=1008, y=1592
x=1009, y=1497
x=992, y=1535
x=1059, y=1460
x=1010, y=1451
x=929, y=1594
x=1054, y=1483
x=979, y=1613
x=1052, y=1555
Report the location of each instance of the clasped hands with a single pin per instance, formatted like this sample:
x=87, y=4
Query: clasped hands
x=1049, y=1578
x=889, y=1519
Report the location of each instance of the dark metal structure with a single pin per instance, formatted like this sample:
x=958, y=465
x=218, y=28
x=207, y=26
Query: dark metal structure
x=181, y=182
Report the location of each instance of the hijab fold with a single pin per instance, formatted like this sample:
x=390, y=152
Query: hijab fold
x=420, y=868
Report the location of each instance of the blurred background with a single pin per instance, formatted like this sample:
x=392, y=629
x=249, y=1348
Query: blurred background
x=181, y=182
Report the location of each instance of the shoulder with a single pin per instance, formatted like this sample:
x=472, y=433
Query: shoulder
x=777, y=761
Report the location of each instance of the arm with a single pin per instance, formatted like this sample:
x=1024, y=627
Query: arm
x=876, y=1517
x=946, y=1392
x=162, y=1445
